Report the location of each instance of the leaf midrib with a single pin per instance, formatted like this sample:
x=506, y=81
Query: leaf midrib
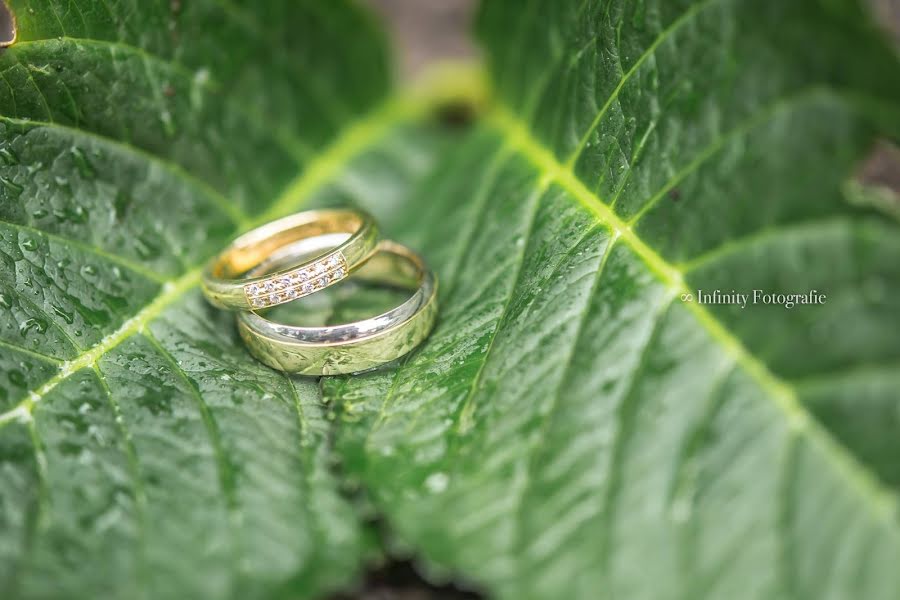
x=518, y=135
x=353, y=140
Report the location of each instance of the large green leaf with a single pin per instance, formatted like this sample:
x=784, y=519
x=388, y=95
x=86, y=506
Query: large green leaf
x=573, y=429
x=143, y=452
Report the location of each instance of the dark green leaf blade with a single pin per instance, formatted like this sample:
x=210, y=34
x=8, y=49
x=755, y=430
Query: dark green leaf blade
x=573, y=428
x=143, y=453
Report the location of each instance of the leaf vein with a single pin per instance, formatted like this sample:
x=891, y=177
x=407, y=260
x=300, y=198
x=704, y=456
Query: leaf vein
x=625, y=417
x=464, y=417
x=88, y=249
x=881, y=500
x=224, y=466
x=770, y=111
x=237, y=216
x=32, y=353
x=356, y=137
x=575, y=336
x=140, y=496
x=761, y=237
x=651, y=49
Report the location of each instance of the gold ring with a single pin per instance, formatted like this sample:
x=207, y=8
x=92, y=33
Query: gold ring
x=353, y=236
x=357, y=346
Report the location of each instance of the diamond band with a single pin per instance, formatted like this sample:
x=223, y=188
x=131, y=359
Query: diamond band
x=298, y=282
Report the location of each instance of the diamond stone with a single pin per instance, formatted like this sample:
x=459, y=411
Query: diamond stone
x=257, y=302
x=307, y=287
x=339, y=273
x=253, y=289
x=333, y=261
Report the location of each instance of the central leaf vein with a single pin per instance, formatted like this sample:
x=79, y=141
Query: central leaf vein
x=881, y=500
x=355, y=138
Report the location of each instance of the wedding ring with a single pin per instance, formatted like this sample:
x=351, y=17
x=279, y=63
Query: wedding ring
x=357, y=346
x=225, y=281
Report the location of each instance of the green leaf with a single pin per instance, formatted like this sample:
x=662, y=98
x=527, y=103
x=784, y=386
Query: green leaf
x=143, y=452
x=573, y=428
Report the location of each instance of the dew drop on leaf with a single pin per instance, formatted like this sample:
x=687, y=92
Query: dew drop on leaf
x=5, y=301
x=8, y=157
x=17, y=378
x=30, y=244
x=168, y=124
x=14, y=188
x=93, y=316
x=437, y=482
x=123, y=201
x=85, y=168
x=67, y=316
x=39, y=325
x=146, y=249
x=79, y=214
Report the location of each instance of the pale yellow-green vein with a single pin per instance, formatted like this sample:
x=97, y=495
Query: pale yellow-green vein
x=882, y=501
x=407, y=105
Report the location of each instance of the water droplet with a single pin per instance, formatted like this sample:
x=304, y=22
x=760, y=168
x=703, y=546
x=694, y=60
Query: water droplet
x=146, y=249
x=30, y=244
x=39, y=213
x=61, y=181
x=123, y=201
x=168, y=124
x=34, y=168
x=88, y=270
x=67, y=316
x=96, y=317
x=8, y=157
x=27, y=325
x=201, y=77
x=5, y=301
x=85, y=168
x=14, y=188
x=79, y=214
x=437, y=482
x=17, y=378
x=72, y=215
